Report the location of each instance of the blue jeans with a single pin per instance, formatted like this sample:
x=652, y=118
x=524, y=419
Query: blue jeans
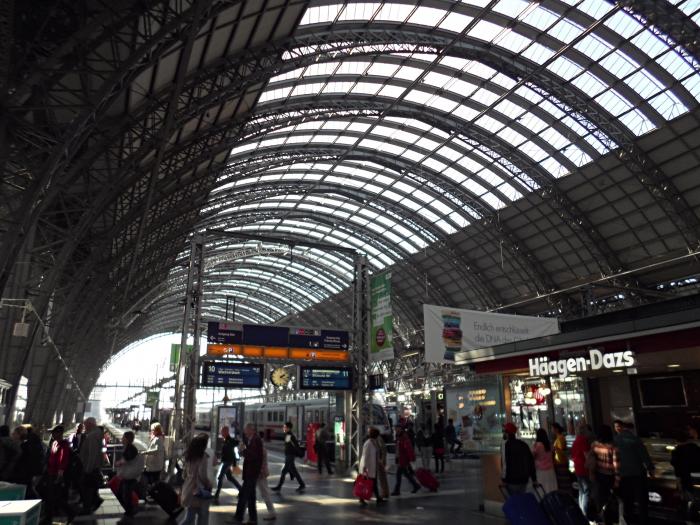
x=225, y=472
x=584, y=493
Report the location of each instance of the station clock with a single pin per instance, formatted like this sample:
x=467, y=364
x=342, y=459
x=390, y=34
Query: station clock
x=280, y=377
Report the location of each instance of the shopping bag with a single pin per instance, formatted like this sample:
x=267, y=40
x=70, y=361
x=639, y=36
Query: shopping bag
x=236, y=470
x=363, y=488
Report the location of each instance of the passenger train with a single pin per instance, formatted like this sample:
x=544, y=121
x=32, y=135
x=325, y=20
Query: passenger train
x=269, y=417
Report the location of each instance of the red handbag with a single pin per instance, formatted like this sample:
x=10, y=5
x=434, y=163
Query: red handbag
x=363, y=488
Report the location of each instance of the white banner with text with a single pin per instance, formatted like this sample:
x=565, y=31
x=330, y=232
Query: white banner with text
x=451, y=330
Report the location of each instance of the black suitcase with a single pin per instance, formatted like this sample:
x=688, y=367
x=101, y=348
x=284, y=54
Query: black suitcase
x=166, y=497
x=563, y=509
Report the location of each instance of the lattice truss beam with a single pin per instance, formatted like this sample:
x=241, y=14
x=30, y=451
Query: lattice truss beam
x=389, y=127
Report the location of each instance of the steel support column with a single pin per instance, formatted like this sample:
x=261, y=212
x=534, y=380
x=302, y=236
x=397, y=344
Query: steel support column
x=358, y=411
x=179, y=427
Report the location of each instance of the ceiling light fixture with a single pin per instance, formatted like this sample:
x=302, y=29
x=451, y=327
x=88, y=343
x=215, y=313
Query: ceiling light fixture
x=673, y=365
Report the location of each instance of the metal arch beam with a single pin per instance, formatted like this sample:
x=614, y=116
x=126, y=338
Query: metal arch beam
x=487, y=293
x=42, y=193
x=565, y=208
x=667, y=21
x=446, y=187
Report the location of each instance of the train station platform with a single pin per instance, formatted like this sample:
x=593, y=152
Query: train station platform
x=328, y=499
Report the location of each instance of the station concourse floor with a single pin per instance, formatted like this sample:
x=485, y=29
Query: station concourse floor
x=328, y=499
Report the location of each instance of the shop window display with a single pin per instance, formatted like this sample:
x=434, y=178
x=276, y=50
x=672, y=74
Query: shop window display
x=529, y=398
x=477, y=410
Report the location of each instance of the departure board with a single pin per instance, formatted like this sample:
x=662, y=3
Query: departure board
x=231, y=375
x=224, y=333
x=315, y=338
x=325, y=378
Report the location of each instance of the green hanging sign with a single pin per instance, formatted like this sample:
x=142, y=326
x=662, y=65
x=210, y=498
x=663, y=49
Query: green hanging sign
x=175, y=355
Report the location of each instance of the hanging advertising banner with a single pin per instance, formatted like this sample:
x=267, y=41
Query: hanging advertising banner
x=381, y=338
x=175, y=355
x=451, y=330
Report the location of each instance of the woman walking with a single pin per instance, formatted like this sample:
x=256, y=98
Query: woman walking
x=196, y=491
x=154, y=455
x=370, y=462
x=561, y=459
x=544, y=462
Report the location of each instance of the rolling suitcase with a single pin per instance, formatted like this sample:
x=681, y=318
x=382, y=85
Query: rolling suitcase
x=524, y=509
x=563, y=509
x=166, y=497
x=426, y=478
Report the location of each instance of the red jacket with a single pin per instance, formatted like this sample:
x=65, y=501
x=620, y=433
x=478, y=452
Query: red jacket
x=406, y=452
x=59, y=457
x=578, y=455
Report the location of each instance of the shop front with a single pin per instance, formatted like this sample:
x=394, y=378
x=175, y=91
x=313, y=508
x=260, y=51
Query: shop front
x=652, y=382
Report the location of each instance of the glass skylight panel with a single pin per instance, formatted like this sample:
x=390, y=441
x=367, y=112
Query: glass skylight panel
x=564, y=67
x=493, y=201
x=320, y=14
x=636, y=121
x=465, y=113
x=427, y=16
x=426, y=143
x=484, y=30
x=394, y=12
x=623, y=24
x=538, y=53
x=455, y=22
x=540, y=18
x=593, y=47
x=435, y=165
x=565, y=31
x=589, y=84
x=391, y=91
x=365, y=88
x=668, y=105
x=346, y=140
x=358, y=11
x=511, y=8
x=445, y=226
x=408, y=73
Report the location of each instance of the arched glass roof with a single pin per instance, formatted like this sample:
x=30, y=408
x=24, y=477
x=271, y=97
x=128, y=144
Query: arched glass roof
x=390, y=146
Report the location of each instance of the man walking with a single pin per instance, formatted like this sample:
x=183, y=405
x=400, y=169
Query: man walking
x=321, y=439
x=517, y=462
x=634, y=464
x=451, y=437
x=291, y=446
x=91, y=459
x=228, y=460
x=252, y=465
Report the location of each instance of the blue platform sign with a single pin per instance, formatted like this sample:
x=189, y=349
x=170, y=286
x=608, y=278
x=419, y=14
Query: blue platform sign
x=231, y=375
x=325, y=378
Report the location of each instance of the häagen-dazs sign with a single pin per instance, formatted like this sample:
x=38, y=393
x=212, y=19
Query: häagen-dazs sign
x=596, y=360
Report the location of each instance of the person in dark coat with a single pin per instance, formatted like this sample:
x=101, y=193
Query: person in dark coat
x=252, y=465
x=405, y=455
x=438, y=441
x=291, y=446
x=31, y=460
x=322, y=437
x=517, y=462
x=228, y=460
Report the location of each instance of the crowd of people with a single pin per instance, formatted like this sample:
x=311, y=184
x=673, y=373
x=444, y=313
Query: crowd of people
x=607, y=465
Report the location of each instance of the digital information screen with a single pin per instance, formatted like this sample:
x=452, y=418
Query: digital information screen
x=262, y=335
x=325, y=378
x=315, y=338
x=224, y=333
x=232, y=375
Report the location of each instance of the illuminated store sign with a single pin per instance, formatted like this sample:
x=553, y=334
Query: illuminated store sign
x=596, y=360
